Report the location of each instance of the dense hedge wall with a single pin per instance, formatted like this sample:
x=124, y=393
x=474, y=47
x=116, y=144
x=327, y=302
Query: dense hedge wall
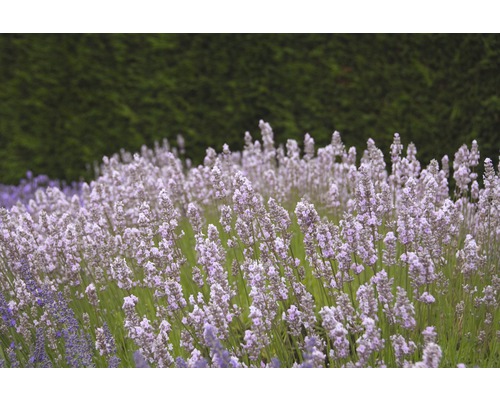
x=66, y=100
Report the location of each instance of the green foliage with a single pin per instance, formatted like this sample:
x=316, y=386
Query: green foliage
x=66, y=99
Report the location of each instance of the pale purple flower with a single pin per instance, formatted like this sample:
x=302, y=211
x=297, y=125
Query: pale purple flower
x=91, y=293
x=105, y=344
x=426, y=298
x=490, y=296
x=221, y=358
x=396, y=149
x=294, y=320
x=429, y=334
x=180, y=363
x=194, y=215
x=308, y=147
x=313, y=354
x=404, y=311
x=218, y=183
x=307, y=215
x=252, y=345
x=402, y=348
x=384, y=287
x=367, y=302
x=389, y=252
x=370, y=342
x=139, y=360
x=121, y=273
x=468, y=257
x=226, y=217
x=420, y=269
x=336, y=332
x=432, y=356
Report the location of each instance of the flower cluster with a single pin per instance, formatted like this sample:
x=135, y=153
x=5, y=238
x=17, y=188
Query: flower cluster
x=269, y=257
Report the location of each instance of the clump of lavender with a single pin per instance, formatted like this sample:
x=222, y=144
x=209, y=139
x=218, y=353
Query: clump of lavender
x=275, y=256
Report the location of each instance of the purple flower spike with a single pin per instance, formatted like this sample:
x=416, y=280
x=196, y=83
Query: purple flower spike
x=313, y=354
x=139, y=360
x=180, y=363
x=39, y=357
x=220, y=356
x=6, y=312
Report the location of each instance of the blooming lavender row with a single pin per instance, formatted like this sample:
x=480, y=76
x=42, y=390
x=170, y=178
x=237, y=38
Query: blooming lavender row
x=27, y=188
x=269, y=257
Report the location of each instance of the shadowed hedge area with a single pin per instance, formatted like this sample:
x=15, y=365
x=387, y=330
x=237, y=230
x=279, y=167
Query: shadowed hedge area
x=66, y=100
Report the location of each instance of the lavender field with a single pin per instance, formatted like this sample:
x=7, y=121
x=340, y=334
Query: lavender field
x=276, y=256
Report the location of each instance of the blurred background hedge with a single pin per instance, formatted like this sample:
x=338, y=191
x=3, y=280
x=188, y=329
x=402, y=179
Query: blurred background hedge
x=66, y=100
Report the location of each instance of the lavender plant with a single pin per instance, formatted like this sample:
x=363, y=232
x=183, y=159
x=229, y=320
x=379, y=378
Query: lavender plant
x=260, y=258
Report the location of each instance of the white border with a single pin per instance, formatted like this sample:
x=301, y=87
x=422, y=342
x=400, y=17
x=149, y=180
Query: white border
x=252, y=384
x=273, y=16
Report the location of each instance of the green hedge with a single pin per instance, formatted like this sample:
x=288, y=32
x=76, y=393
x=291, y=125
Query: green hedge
x=67, y=100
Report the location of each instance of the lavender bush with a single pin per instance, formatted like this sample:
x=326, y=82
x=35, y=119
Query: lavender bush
x=260, y=258
x=27, y=188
